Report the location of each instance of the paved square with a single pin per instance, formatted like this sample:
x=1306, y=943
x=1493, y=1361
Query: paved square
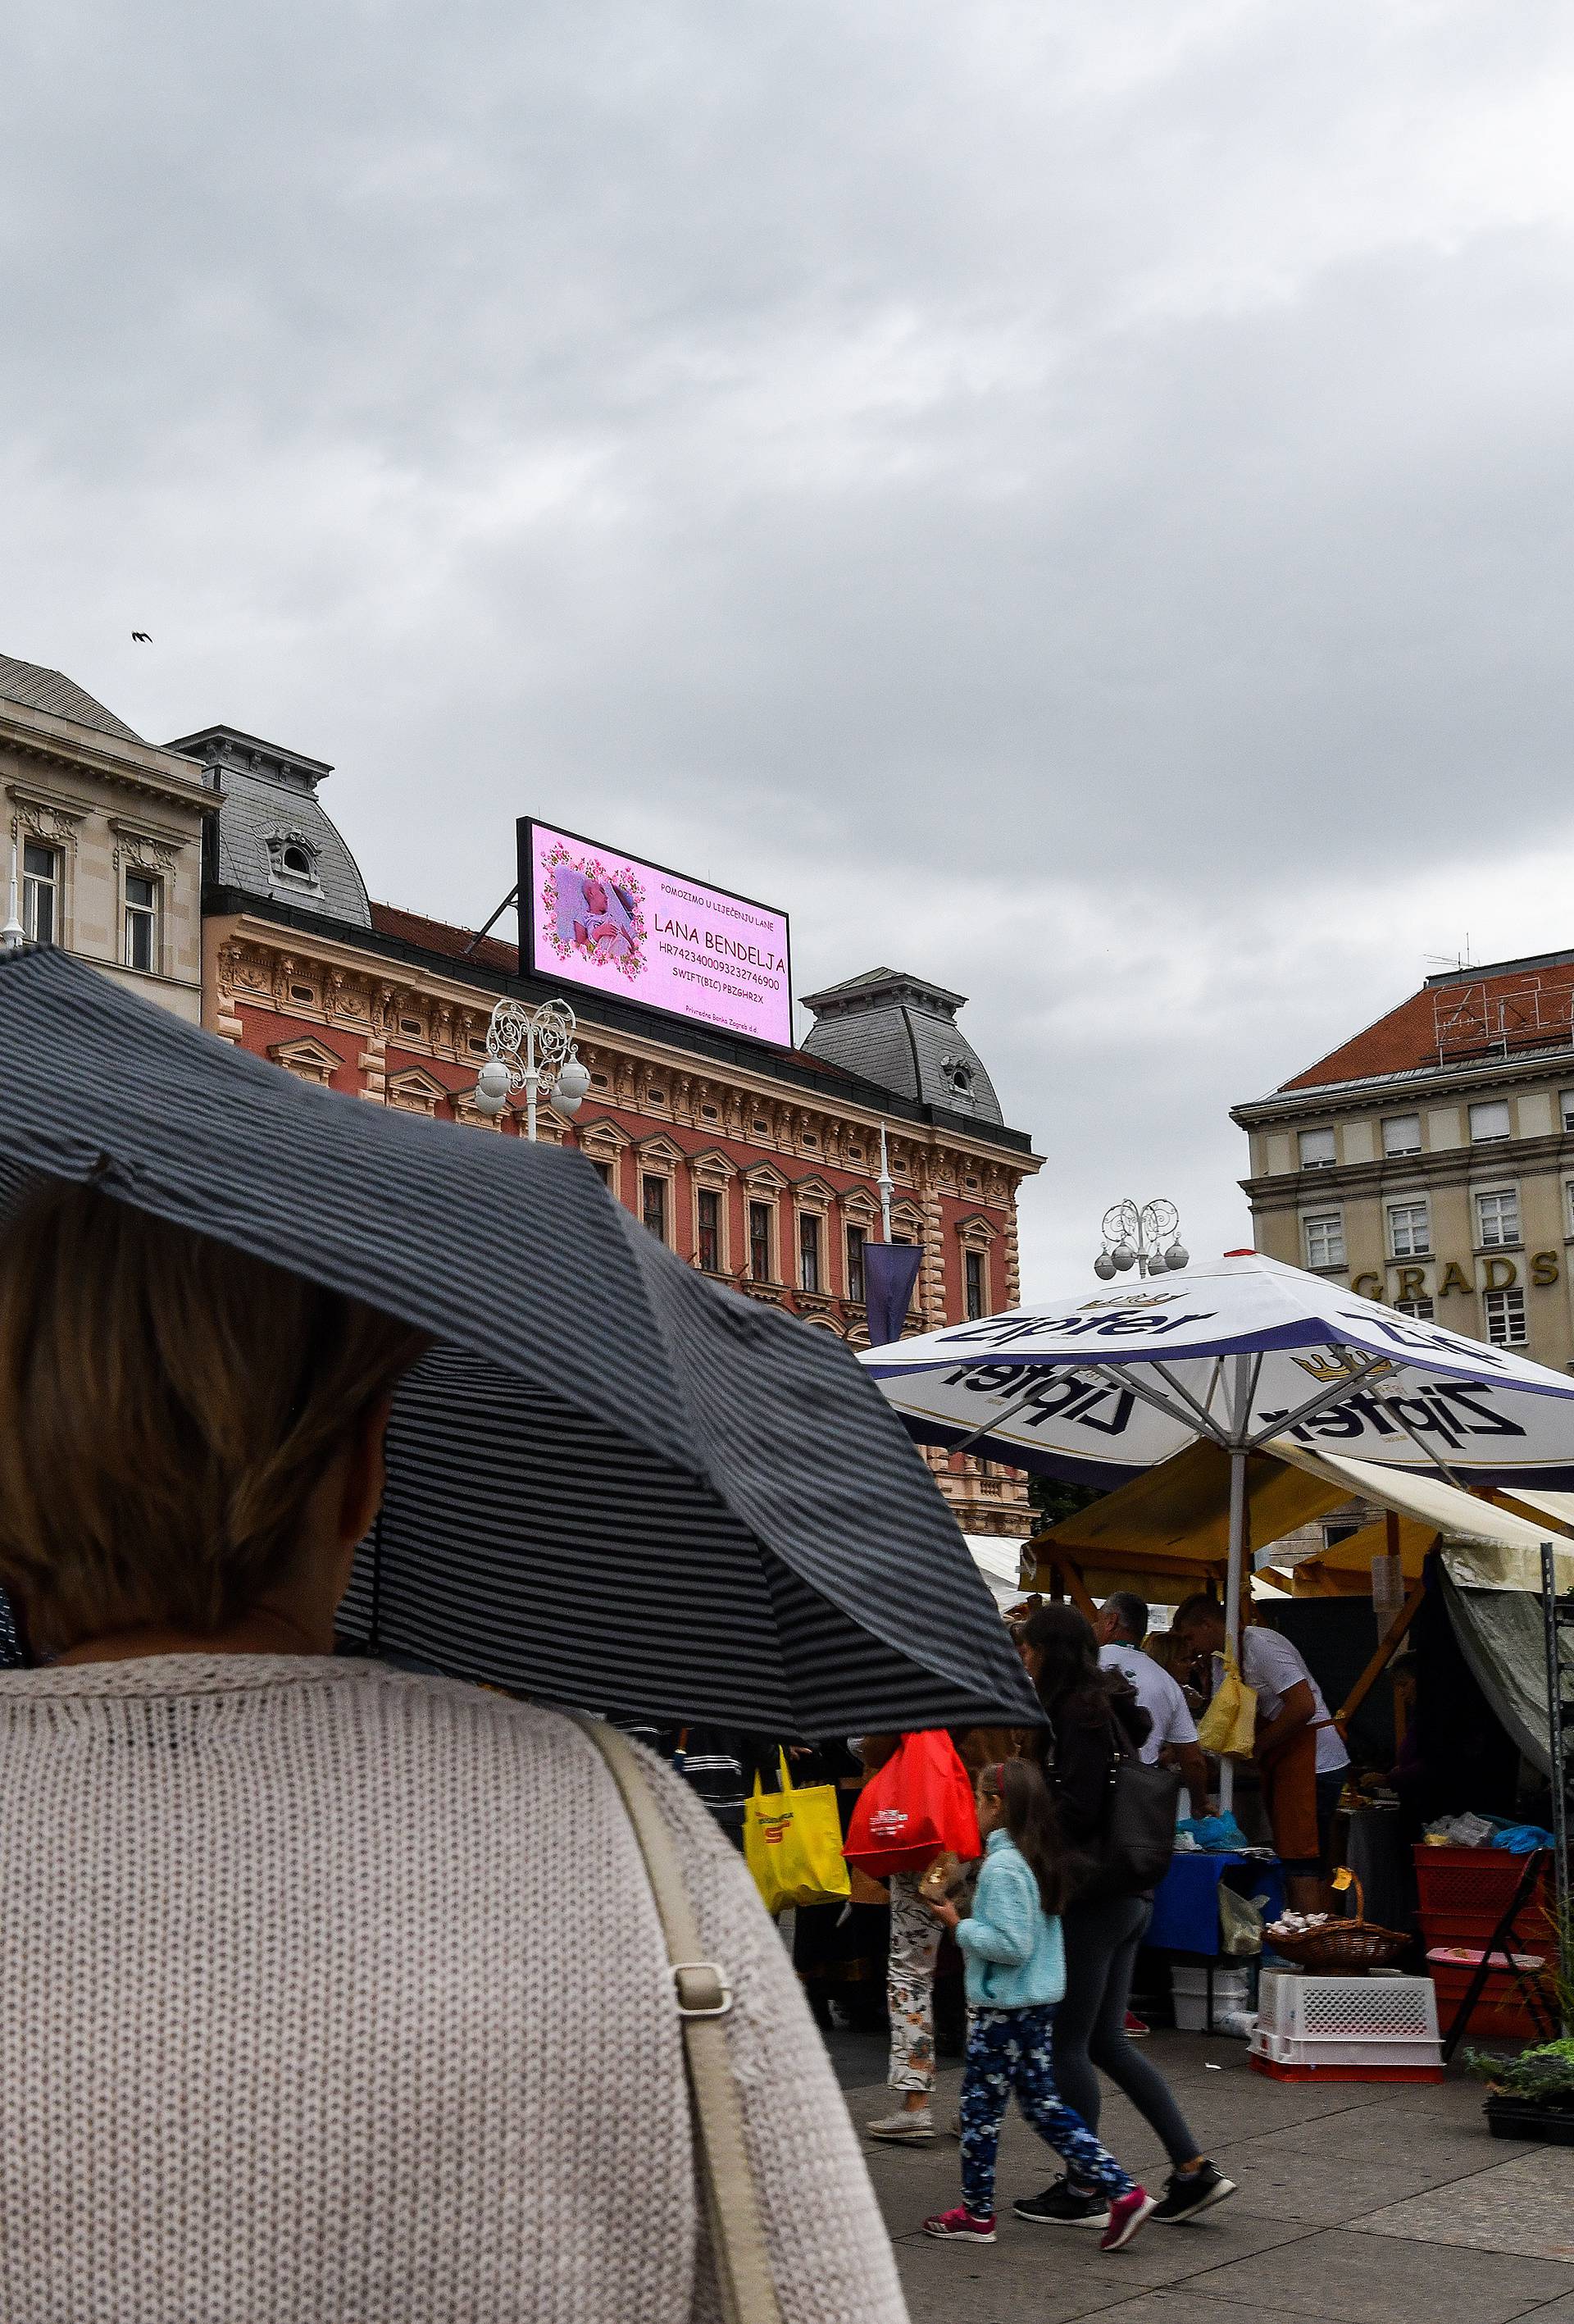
x=1360, y=2203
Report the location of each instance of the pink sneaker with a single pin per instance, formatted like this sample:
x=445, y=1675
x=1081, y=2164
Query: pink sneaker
x=1126, y=2214
x=961, y=2226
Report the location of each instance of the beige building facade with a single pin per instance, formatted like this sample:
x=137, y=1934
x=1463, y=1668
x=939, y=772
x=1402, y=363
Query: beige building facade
x=105, y=833
x=1428, y=1162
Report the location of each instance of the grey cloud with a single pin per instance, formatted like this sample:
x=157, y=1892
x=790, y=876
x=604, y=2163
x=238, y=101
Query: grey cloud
x=1119, y=459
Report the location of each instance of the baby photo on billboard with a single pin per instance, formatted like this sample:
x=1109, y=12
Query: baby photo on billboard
x=593, y=914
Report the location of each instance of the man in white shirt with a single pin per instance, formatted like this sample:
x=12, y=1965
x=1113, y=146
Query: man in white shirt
x=1300, y=1752
x=1120, y=1628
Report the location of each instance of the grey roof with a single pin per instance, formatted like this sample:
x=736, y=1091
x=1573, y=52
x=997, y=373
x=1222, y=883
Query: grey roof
x=50, y=690
x=275, y=837
x=901, y=1032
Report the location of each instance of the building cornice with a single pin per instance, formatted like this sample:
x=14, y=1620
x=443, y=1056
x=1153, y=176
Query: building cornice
x=136, y=766
x=1401, y=1092
x=1394, y=1174
x=287, y=928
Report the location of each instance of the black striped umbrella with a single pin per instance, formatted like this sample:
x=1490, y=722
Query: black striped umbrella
x=612, y=1484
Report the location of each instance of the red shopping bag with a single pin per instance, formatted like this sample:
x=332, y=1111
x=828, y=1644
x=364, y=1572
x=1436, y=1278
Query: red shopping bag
x=918, y=1803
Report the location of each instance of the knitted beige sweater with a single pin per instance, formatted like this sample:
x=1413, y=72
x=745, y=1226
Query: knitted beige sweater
x=332, y=1993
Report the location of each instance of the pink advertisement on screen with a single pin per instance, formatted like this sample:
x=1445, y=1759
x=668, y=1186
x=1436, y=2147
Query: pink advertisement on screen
x=616, y=925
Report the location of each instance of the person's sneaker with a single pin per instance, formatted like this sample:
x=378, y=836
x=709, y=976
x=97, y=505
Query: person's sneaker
x=906, y=2127
x=1135, y=2029
x=1064, y=2206
x=1126, y=2214
x=961, y=2226
x=1185, y=2198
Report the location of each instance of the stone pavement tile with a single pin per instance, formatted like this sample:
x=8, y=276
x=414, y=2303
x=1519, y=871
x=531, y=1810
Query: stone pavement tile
x=1328, y=2189
x=1005, y=2284
x=1334, y=2276
x=1525, y=2205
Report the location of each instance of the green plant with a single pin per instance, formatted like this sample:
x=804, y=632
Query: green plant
x=1540, y=2076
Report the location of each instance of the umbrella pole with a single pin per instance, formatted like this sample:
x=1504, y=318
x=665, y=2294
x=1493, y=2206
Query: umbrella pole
x=1232, y=1597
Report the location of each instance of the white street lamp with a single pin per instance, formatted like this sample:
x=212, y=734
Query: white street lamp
x=550, y=1066
x=1146, y=1237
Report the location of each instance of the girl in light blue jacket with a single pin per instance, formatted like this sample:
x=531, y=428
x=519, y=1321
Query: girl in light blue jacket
x=1016, y=1973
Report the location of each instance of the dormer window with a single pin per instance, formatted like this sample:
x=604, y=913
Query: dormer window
x=292, y=862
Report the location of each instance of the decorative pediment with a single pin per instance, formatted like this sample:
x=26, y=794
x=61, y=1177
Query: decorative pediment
x=659, y=1152
x=977, y=1231
x=907, y=1219
x=859, y=1208
x=309, y=1060
x=712, y=1167
x=813, y=1194
x=415, y=1091
x=764, y=1178
x=605, y=1139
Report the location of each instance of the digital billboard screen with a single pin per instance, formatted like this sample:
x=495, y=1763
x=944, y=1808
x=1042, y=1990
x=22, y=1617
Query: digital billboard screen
x=591, y=916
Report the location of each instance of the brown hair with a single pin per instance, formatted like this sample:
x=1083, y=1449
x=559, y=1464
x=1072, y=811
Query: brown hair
x=168, y=1407
x=1033, y=1826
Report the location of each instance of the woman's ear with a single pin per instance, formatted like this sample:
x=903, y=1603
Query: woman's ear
x=365, y=1474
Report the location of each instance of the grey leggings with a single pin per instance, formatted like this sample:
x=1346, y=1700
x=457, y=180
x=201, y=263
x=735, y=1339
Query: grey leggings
x=1090, y=2025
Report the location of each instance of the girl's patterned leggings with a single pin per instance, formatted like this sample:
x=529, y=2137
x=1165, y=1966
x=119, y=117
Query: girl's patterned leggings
x=1009, y=2049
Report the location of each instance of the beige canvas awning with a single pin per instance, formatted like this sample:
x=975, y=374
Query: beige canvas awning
x=1166, y=1533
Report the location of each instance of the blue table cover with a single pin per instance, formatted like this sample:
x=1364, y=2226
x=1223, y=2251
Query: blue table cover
x=1185, y=1905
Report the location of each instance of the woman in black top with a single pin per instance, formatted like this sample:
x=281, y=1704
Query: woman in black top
x=1092, y=1714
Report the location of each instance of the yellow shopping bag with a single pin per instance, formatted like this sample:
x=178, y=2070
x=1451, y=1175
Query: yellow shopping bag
x=792, y=1840
x=1230, y=1724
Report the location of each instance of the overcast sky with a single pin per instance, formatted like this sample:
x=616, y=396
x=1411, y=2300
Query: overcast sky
x=1070, y=499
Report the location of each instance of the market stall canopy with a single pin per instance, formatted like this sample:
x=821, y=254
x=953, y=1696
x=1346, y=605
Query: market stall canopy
x=1166, y=1533
x=1099, y=1389
x=612, y=1484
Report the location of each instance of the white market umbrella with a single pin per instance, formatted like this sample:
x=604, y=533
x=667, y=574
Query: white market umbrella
x=1097, y=1388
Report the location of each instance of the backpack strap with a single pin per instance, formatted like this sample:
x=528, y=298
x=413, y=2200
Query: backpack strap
x=703, y=1998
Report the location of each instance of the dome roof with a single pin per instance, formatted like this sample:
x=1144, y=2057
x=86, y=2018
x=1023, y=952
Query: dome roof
x=901, y=1032
x=275, y=838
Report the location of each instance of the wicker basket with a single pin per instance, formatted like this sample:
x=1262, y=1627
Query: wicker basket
x=1343, y=1947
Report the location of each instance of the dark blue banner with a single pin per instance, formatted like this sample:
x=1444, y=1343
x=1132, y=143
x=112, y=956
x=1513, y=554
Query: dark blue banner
x=890, y=1269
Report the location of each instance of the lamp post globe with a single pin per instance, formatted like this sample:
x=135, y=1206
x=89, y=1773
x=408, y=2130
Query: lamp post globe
x=1177, y=1256
x=1104, y=1268
x=572, y=1086
x=1123, y=1257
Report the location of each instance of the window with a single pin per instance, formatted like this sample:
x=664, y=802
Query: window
x=1409, y=1235
x=142, y=921
x=1317, y=1150
x=808, y=1251
x=603, y=1171
x=855, y=1242
x=709, y=1215
x=296, y=862
x=653, y=1206
x=1419, y=1311
x=1488, y=1122
x=1566, y=1109
x=41, y=893
x=1402, y=1134
x=1325, y=1240
x=1505, y=1323
x=1498, y=1218
x=759, y=1242
x=977, y=1285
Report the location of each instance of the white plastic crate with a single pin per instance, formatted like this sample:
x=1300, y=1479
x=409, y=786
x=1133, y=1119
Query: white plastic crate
x=1381, y=2011
x=1229, y=1984
x=1287, y=2049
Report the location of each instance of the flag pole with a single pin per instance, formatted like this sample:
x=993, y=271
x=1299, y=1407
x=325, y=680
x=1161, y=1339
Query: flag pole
x=886, y=1188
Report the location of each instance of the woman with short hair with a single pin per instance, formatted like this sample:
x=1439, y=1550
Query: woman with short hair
x=333, y=1991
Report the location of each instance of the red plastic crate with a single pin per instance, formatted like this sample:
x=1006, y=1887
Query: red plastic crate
x=1502, y=2008
x=1275, y=2072
x=1475, y=1883
x=1476, y=1931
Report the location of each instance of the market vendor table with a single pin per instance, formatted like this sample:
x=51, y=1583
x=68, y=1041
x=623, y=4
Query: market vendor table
x=1185, y=1905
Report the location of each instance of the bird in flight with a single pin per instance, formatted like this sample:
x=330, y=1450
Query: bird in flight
x=141, y=638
